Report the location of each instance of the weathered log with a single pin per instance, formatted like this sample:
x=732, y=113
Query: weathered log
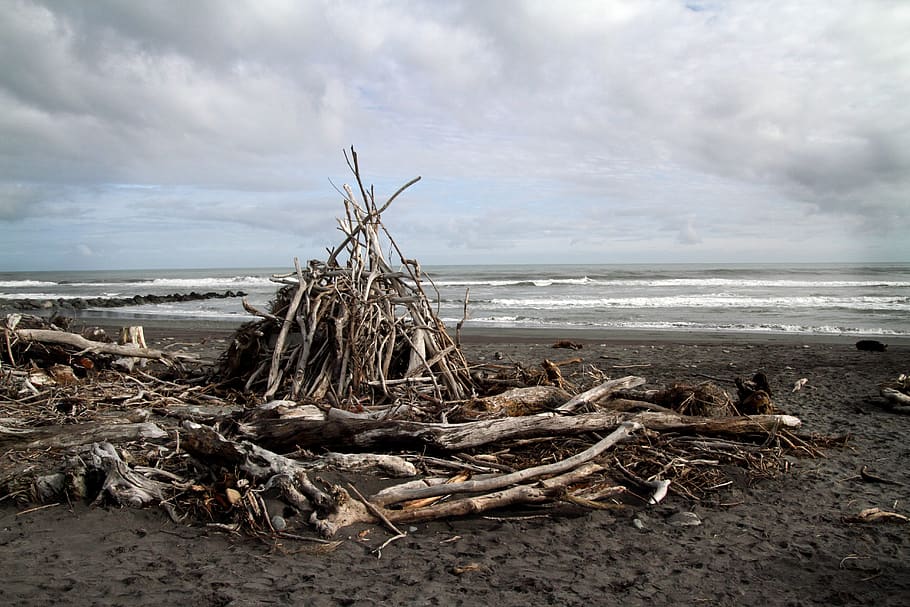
x=602, y=391
x=514, y=402
x=335, y=429
x=49, y=336
x=900, y=402
x=63, y=437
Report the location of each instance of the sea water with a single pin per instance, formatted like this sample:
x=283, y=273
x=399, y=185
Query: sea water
x=848, y=299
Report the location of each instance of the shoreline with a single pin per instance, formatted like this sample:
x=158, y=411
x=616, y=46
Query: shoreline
x=524, y=335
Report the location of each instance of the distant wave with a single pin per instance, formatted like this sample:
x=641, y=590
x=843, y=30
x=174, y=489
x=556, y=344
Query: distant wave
x=523, y=282
x=22, y=284
x=530, y=323
x=702, y=301
x=186, y=283
x=675, y=282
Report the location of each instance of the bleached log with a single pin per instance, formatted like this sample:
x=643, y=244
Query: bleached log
x=602, y=391
x=335, y=430
x=63, y=437
x=898, y=401
x=365, y=463
x=895, y=396
x=49, y=336
x=517, y=401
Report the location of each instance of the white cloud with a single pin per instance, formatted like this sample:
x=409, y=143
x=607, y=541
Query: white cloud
x=547, y=129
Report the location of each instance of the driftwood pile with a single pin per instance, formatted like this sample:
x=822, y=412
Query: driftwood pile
x=351, y=329
x=897, y=394
x=350, y=379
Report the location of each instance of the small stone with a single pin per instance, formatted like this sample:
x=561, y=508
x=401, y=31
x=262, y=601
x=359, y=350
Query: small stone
x=233, y=496
x=684, y=519
x=636, y=522
x=278, y=523
x=412, y=529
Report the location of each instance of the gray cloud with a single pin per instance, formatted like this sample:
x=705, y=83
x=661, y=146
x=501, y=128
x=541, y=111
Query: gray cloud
x=539, y=126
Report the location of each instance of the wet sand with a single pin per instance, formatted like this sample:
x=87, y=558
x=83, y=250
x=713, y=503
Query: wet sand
x=784, y=541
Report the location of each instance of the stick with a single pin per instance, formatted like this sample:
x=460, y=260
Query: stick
x=624, y=430
x=376, y=511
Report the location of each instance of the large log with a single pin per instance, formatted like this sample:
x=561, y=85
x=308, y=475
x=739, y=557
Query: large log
x=602, y=391
x=63, y=437
x=335, y=428
x=63, y=338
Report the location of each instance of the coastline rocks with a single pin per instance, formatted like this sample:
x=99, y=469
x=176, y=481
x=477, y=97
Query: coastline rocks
x=80, y=303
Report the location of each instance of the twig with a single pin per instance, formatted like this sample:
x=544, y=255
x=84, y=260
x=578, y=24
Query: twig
x=376, y=511
x=36, y=508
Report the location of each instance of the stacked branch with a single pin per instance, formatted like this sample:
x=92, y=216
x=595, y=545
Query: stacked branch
x=353, y=328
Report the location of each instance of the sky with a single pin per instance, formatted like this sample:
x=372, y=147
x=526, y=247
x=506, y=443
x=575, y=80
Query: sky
x=174, y=134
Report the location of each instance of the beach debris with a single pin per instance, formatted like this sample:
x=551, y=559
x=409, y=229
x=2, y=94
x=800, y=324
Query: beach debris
x=800, y=384
x=897, y=394
x=754, y=395
x=351, y=375
x=869, y=477
x=684, y=519
x=704, y=399
x=877, y=515
x=871, y=345
x=567, y=344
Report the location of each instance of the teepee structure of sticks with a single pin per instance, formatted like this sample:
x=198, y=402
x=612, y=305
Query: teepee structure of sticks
x=353, y=328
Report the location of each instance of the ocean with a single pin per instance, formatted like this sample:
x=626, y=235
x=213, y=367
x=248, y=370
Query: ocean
x=833, y=299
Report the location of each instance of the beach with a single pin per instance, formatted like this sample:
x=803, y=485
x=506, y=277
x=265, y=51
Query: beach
x=787, y=540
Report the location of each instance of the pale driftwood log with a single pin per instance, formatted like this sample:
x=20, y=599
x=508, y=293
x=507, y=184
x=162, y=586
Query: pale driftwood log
x=602, y=391
x=49, y=336
x=531, y=398
x=504, y=480
x=365, y=463
x=900, y=402
x=125, y=486
x=337, y=430
x=63, y=437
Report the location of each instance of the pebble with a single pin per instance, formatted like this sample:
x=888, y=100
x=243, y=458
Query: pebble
x=684, y=519
x=636, y=522
x=278, y=523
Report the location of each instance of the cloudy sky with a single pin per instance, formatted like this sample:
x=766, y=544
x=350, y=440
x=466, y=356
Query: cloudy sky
x=209, y=134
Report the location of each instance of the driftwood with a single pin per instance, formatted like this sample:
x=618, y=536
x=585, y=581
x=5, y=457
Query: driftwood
x=624, y=430
x=123, y=485
x=601, y=391
x=899, y=400
x=63, y=437
x=336, y=428
x=334, y=508
x=64, y=338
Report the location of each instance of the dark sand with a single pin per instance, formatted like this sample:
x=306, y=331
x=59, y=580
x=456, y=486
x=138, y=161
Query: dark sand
x=778, y=542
